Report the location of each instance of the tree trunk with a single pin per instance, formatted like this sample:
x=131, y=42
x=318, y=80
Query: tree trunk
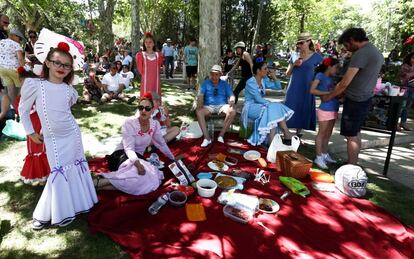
x=106, y=13
x=209, y=39
x=302, y=22
x=259, y=19
x=135, y=28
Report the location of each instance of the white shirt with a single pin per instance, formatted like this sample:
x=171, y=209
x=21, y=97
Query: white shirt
x=8, y=54
x=127, y=60
x=127, y=77
x=112, y=82
x=118, y=57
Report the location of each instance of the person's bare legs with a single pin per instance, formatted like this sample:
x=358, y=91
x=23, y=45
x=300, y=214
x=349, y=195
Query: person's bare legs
x=86, y=96
x=272, y=135
x=12, y=93
x=230, y=114
x=286, y=133
x=105, y=98
x=202, y=113
x=329, y=130
x=321, y=137
x=353, y=148
x=171, y=134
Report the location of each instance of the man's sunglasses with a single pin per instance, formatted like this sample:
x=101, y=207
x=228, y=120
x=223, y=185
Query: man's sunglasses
x=142, y=107
x=215, y=91
x=5, y=22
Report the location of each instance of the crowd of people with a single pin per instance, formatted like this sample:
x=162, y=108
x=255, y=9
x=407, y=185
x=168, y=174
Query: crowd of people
x=55, y=149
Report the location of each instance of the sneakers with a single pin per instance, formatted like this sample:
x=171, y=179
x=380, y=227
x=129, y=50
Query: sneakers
x=320, y=162
x=220, y=139
x=328, y=158
x=206, y=142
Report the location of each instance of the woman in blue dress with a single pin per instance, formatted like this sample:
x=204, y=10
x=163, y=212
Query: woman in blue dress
x=298, y=96
x=267, y=116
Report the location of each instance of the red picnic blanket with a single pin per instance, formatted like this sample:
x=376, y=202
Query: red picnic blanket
x=319, y=226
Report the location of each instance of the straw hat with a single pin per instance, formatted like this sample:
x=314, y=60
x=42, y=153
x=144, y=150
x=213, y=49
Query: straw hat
x=216, y=69
x=304, y=36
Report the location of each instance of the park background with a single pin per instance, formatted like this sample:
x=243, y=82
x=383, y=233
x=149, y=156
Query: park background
x=388, y=24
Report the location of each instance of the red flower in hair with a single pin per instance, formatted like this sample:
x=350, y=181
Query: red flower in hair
x=148, y=34
x=327, y=62
x=147, y=95
x=63, y=46
x=20, y=70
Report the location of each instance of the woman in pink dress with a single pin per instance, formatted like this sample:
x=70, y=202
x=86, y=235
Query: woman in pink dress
x=149, y=63
x=130, y=172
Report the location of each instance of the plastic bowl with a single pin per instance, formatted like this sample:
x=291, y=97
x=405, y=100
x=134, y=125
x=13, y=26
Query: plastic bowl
x=206, y=187
x=177, y=198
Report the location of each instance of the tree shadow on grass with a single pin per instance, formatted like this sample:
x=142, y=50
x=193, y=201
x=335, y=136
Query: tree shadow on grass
x=22, y=197
x=78, y=242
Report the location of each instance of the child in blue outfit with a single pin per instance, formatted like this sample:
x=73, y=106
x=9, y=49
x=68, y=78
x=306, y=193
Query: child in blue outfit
x=328, y=110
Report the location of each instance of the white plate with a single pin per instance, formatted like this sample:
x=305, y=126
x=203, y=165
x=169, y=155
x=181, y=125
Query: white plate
x=214, y=167
x=275, y=206
x=252, y=155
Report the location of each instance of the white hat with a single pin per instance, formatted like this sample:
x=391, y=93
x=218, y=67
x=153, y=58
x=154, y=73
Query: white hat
x=16, y=32
x=168, y=40
x=216, y=68
x=240, y=44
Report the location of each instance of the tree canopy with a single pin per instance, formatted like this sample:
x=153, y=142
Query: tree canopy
x=388, y=24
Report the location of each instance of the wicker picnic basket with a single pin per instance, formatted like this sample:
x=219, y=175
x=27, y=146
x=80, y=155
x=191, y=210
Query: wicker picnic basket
x=293, y=164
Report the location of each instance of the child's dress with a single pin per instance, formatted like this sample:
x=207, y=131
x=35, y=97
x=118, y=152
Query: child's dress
x=150, y=69
x=36, y=166
x=69, y=189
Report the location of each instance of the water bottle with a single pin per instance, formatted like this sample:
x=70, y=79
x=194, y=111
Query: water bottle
x=154, y=159
x=156, y=206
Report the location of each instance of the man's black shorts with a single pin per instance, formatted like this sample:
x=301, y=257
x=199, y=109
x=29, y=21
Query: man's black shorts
x=353, y=116
x=191, y=71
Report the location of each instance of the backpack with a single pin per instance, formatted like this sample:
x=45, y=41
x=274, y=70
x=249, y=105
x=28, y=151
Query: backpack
x=351, y=180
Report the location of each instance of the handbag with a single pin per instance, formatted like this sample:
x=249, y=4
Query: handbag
x=190, y=131
x=277, y=145
x=15, y=130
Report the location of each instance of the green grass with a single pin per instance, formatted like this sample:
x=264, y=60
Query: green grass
x=17, y=200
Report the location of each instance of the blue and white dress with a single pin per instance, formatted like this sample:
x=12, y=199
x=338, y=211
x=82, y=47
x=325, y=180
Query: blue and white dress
x=298, y=96
x=69, y=189
x=265, y=114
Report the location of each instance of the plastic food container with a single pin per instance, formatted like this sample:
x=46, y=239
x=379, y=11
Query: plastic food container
x=177, y=198
x=206, y=187
x=238, y=213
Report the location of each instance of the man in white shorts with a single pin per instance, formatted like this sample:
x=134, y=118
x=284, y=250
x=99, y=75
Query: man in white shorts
x=215, y=96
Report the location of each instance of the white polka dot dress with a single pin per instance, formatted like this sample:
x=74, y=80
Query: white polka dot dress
x=69, y=189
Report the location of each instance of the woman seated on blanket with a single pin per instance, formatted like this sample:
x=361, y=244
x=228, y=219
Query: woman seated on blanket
x=266, y=115
x=130, y=172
